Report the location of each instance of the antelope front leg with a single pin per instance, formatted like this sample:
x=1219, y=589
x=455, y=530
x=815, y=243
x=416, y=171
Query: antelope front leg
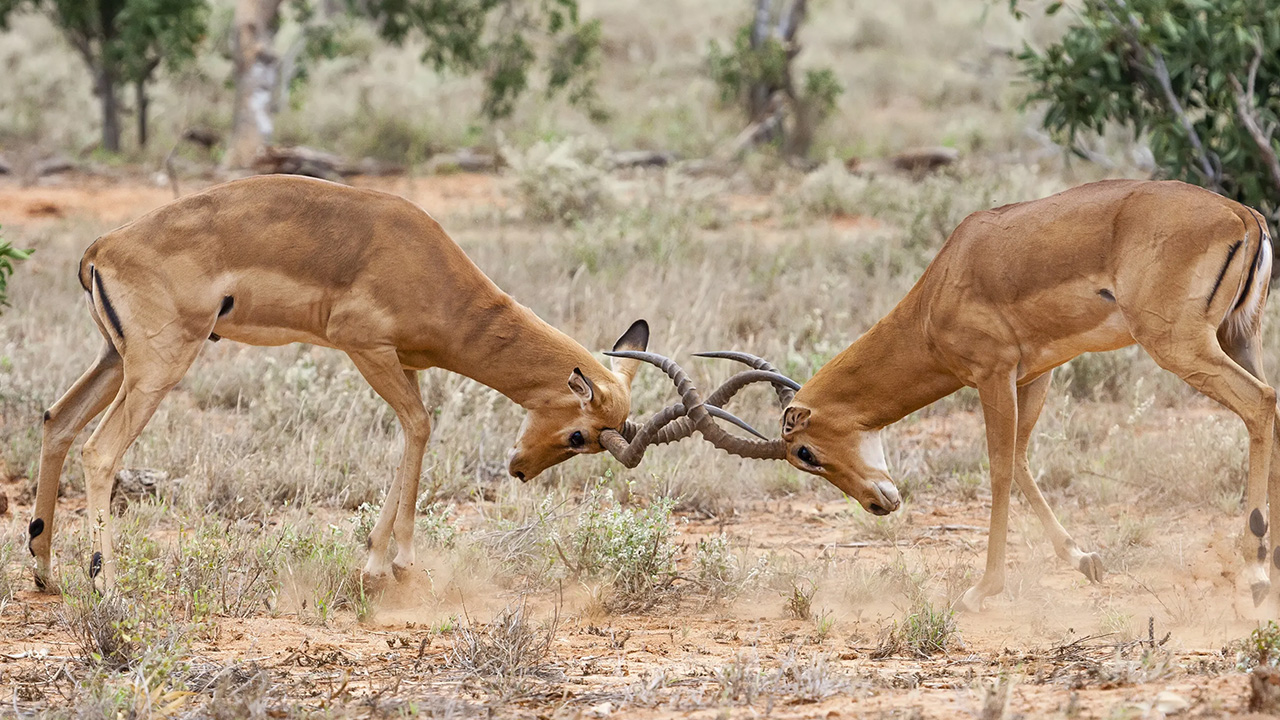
x=399, y=387
x=1030, y=403
x=1000, y=414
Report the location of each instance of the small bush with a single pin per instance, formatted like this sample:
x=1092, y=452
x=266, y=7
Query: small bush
x=562, y=182
x=321, y=573
x=799, y=600
x=925, y=631
x=435, y=527
x=632, y=548
x=1261, y=648
x=8, y=256
x=505, y=657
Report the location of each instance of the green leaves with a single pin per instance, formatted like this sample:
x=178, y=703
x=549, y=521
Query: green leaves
x=1105, y=72
x=8, y=256
x=498, y=39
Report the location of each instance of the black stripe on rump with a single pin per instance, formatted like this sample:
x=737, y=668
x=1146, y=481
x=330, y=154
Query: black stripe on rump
x=1222, y=273
x=1253, y=269
x=112, y=317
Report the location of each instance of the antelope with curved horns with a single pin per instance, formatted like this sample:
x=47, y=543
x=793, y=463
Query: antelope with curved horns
x=1020, y=289
x=281, y=259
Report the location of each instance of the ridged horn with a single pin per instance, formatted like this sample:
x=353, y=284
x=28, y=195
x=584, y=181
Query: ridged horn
x=698, y=413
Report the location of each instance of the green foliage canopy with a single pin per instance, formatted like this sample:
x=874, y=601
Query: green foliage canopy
x=1199, y=79
x=499, y=39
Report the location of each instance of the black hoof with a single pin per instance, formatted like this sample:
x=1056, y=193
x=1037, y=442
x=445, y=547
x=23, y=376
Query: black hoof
x=1257, y=525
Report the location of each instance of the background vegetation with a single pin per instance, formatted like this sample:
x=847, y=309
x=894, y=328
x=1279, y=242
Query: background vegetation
x=696, y=582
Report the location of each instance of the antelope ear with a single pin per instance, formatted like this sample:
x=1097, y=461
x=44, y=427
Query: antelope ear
x=794, y=419
x=581, y=386
x=635, y=338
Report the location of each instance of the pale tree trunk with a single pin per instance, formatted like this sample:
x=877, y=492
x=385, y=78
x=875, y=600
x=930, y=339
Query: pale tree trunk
x=257, y=71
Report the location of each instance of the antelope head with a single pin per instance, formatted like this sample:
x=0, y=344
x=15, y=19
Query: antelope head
x=570, y=420
x=851, y=458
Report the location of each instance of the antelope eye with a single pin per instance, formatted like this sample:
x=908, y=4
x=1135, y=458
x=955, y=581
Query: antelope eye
x=576, y=440
x=806, y=457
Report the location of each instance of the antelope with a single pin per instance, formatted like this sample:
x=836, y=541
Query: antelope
x=281, y=259
x=1015, y=292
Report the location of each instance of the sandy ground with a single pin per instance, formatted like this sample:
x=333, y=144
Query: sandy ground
x=1044, y=638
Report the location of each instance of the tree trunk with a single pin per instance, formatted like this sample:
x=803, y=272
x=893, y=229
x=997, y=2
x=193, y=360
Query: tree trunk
x=257, y=70
x=140, y=99
x=110, y=108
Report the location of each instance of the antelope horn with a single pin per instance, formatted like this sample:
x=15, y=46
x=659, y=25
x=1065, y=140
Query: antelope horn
x=628, y=443
x=697, y=411
x=630, y=428
x=763, y=372
x=786, y=392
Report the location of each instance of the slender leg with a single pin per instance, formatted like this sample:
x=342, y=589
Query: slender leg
x=149, y=375
x=399, y=387
x=86, y=399
x=1030, y=403
x=1205, y=366
x=1245, y=352
x=999, y=397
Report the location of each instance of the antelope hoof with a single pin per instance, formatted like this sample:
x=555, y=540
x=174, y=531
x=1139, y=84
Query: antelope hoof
x=1091, y=567
x=971, y=601
x=1260, y=591
x=44, y=580
x=374, y=581
x=401, y=572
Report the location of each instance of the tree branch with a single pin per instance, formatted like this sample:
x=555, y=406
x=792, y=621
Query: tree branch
x=1158, y=70
x=1247, y=110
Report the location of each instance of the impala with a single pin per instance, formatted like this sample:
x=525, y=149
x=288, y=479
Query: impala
x=1015, y=292
x=281, y=259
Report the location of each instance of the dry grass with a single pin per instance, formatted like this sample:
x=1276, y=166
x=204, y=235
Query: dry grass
x=281, y=456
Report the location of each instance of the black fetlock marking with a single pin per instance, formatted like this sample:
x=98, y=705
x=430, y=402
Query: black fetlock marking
x=1257, y=525
x=1262, y=553
x=34, y=529
x=95, y=565
x=47, y=415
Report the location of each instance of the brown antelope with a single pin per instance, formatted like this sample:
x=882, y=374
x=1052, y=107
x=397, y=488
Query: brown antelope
x=280, y=259
x=1015, y=292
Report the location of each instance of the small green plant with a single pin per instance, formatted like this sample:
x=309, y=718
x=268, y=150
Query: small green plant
x=715, y=569
x=1261, y=648
x=823, y=624
x=435, y=525
x=925, y=631
x=799, y=599
x=320, y=569
x=630, y=547
x=8, y=256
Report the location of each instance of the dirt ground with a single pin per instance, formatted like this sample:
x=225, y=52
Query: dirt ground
x=1044, y=648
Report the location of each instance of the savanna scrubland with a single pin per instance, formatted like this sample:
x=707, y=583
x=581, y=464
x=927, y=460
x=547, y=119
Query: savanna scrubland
x=697, y=584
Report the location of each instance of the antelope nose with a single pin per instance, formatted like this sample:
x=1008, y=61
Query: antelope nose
x=889, y=493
